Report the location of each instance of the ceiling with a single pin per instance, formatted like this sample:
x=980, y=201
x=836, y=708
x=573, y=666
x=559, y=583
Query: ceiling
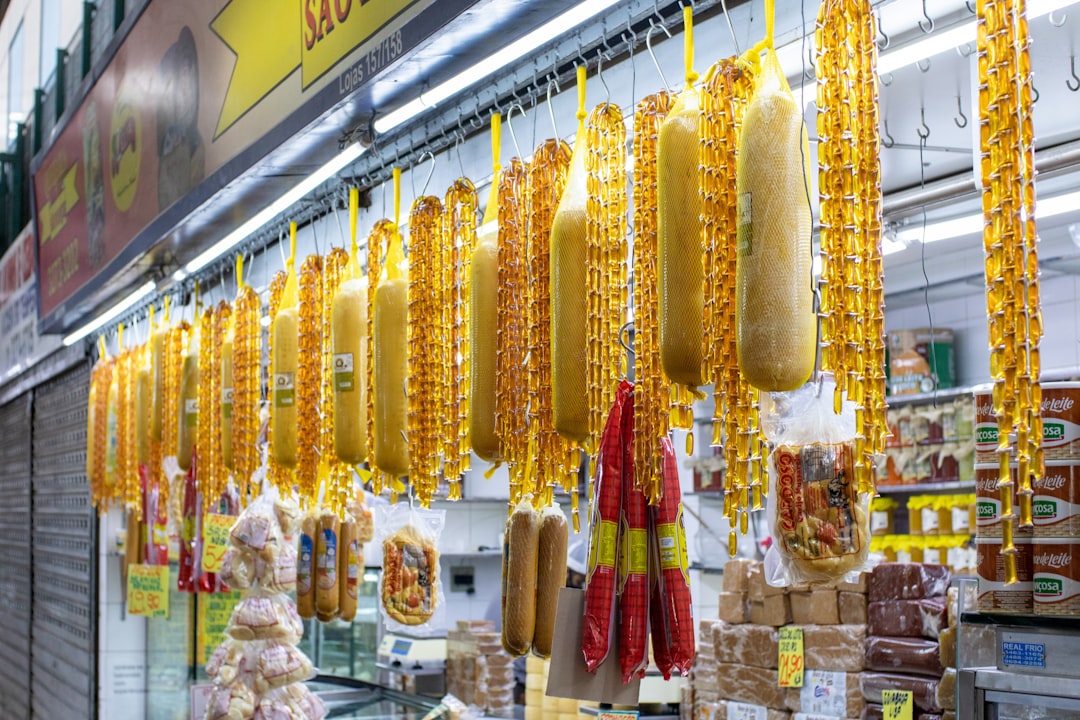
x=933, y=99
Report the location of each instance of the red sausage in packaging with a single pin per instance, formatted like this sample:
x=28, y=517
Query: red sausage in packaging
x=674, y=587
x=633, y=564
x=604, y=540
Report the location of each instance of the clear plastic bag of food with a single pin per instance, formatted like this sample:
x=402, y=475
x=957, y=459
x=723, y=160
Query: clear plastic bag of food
x=409, y=587
x=820, y=523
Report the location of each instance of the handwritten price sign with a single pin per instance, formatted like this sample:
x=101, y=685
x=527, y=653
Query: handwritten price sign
x=148, y=590
x=896, y=704
x=215, y=540
x=791, y=657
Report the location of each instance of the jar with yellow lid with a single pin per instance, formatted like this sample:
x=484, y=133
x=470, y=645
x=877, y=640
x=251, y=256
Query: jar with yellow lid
x=909, y=548
x=881, y=516
x=942, y=504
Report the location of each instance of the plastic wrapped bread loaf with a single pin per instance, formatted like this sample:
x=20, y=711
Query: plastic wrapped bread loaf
x=905, y=655
x=834, y=647
x=908, y=618
x=908, y=581
x=946, y=690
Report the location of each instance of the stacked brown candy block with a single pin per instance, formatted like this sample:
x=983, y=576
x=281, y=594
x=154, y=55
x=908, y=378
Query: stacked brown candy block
x=741, y=668
x=478, y=671
x=911, y=640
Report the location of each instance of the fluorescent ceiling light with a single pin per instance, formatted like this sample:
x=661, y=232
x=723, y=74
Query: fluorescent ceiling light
x=972, y=224
x=498, y=60
x=271, y=211
x=111, y=314
x=940, y=41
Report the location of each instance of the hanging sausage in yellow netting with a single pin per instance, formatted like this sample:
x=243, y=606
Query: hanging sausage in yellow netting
x=458, y=245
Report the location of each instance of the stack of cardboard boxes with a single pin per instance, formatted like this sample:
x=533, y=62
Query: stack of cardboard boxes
x=478, y=671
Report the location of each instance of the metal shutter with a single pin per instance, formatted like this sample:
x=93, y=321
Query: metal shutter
x=15, y=559
x=64, y=533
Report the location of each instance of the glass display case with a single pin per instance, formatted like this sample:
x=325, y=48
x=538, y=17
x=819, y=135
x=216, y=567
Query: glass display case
x=179, y=646
x=1017, y=667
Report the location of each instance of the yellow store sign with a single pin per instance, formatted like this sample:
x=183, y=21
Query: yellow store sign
x=272, y=38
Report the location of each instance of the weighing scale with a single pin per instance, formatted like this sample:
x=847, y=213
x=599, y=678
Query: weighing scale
x=418, y=663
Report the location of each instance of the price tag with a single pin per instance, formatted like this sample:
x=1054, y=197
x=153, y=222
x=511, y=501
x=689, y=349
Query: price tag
x=791, y=657
x=743, y=711
x=896, y=704
x=617, y=714
x=216, y=530
x=148, y=590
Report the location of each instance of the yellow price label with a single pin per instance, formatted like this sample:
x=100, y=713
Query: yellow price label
x=791, y=657
x=216, y=529
x=896, y=704
x=148, y=590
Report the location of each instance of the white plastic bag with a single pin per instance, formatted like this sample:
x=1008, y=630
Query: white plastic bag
x=410, y=589
x=819, y=521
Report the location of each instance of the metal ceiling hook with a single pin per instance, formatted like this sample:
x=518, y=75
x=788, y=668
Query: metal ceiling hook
x=648, y=46
x=600, y=75
x=883, y=44
x=510, y=126
x=924, y=130
x=1074, y=83
x=551, y=111
x=1061, y=23
x=962, y=120
x=431, y=170
x=887, y=140
x=457, y=150
x=927, y=27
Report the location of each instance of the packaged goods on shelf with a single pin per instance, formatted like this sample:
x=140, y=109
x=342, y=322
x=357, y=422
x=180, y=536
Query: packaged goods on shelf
x=995, y=595
x=881, y=515
x=478, y=671
x=921, y=361
x=908, y=618
x=1056, y=576
x=1055, y=507
x=1061, y=420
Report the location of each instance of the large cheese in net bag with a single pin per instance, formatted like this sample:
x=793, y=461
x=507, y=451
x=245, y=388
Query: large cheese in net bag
x=776, y=327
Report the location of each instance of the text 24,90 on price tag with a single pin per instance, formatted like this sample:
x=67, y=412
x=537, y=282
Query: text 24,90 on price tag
x=791, y=657
x=896, y=704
